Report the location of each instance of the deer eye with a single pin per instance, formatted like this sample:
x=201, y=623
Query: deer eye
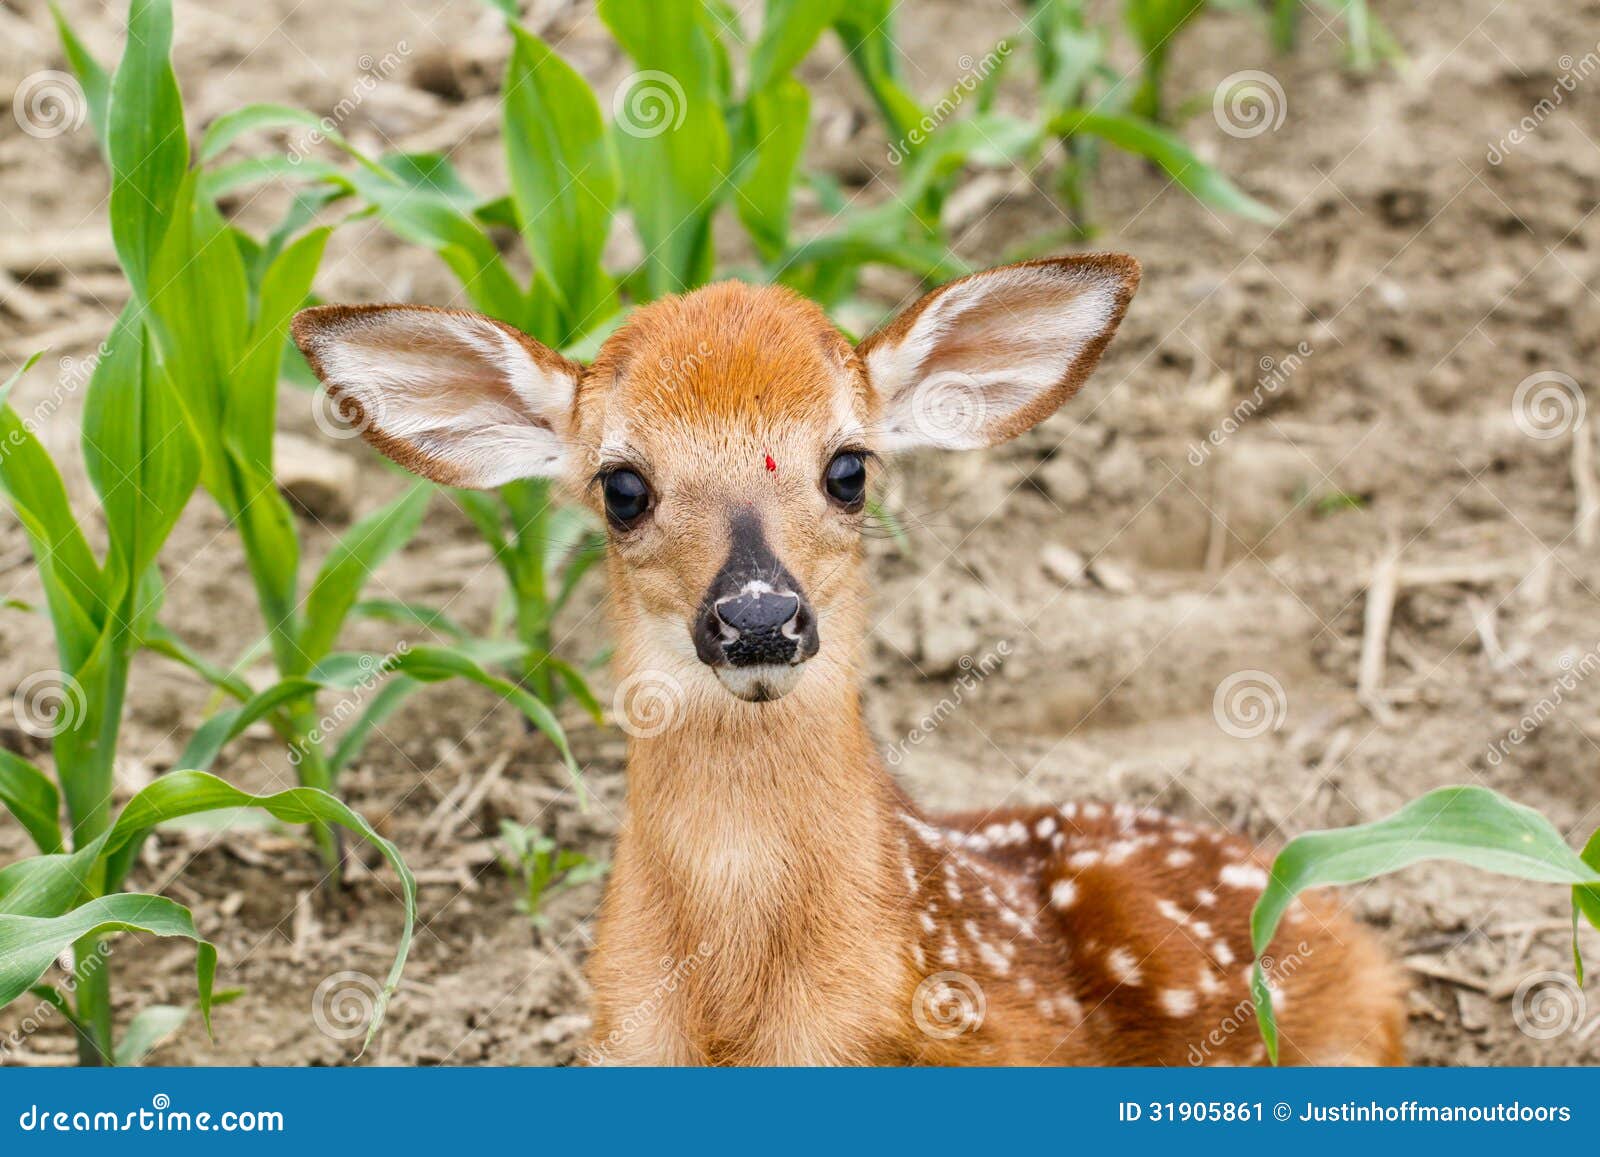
x=846, y=479
x=627, y=497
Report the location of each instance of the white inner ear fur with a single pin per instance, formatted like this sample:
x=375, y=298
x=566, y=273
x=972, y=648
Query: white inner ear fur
x=982, y=350
x=460, y=392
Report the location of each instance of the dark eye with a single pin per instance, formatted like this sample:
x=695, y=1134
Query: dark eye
x=846, y=479
x=627, y=497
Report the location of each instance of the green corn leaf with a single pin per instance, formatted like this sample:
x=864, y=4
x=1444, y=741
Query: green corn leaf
x=350, y=565
x=149, y=1027
x=149, y=148
x=1586, y=901
x=671, y=137
x=230, y=126
x=487, y=513
x=73, y=583
x=432, y=664
x=225, y=726
x=32, y=799
x=163, y=642
x=789, y=30
x=199, y=272
x=384, y=704
x=563, y=180
x=422, y=215
x=866, y=29
x=987, y=139
x=139, y=451
x=251, y=410
x=409, y=614
x=272, y=551
x=92, y=76
x=1465, y=825
x=772, y=132
x=221, y=180
x=29, y=945
x=1140, y=136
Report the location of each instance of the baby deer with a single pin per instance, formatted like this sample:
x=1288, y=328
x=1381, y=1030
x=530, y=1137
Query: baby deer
x=776, y=899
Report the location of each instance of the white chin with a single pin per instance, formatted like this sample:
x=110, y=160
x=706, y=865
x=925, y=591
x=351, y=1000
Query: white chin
x=761, y=683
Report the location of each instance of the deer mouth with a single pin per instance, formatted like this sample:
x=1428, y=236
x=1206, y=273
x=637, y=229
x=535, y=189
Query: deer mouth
x=761, y=683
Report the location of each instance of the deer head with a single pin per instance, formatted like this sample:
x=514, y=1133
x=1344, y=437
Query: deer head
x=726, y=437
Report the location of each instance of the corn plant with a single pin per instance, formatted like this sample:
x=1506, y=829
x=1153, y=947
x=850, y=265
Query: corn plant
x=543, y=868
x=1464, y=825
x=189, y=265
x=143, y=463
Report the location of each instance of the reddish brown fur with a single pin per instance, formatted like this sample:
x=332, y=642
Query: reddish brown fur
x=773, y=890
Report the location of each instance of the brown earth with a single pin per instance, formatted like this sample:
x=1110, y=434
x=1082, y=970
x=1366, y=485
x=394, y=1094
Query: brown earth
x=1411, y=286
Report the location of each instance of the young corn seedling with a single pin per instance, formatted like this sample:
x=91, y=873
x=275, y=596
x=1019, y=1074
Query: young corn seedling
x=1464, y=825
x=224, y=371
x=143, y=463
x=543, y=868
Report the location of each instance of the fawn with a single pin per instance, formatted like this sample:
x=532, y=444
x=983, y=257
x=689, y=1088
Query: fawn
x=776, y=899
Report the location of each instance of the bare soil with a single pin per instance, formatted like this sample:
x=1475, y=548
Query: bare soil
x=1411, y=286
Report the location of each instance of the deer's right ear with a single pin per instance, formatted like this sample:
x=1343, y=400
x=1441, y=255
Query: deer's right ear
x=459, y=398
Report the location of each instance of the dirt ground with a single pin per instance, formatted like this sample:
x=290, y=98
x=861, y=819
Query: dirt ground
x=1124, y=565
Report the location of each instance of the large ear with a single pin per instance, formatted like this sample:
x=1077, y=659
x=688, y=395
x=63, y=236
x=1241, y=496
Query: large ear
x=459, y=398
x=984, y=358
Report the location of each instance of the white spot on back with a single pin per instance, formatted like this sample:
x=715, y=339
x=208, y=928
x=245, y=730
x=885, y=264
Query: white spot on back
x=1251, y=876
x=1178, y=1002
x=1063, y=894
x=1124, y=967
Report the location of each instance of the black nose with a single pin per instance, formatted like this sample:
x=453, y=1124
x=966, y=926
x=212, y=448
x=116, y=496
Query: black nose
x=754, y=613
x=761, y=625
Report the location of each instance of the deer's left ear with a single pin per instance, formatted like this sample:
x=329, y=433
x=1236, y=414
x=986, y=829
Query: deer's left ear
x=980, y=360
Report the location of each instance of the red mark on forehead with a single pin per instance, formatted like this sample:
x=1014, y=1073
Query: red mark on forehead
x=772, y=466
